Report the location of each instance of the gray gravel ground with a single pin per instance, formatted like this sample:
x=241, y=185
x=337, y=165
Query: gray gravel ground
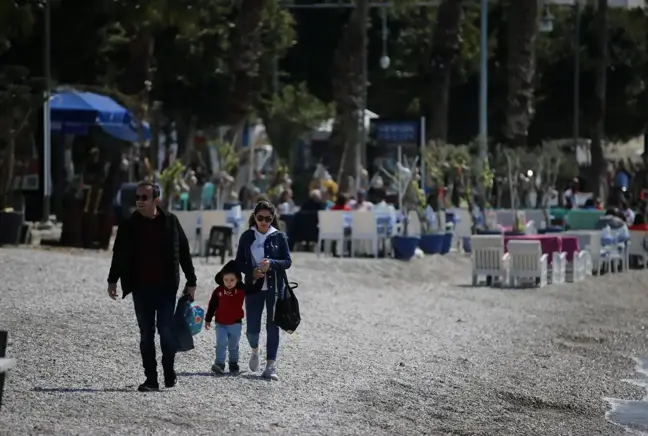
x=385, y=348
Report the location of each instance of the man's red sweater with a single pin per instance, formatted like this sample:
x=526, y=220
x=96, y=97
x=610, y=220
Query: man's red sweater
x=226, y=305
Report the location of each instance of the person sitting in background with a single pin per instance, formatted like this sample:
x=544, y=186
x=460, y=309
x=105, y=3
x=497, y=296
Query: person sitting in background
x=285, y=204
x=589, y=204
x=361, y=204
x=341, y=203
x=329, y=198
x=628, y=213
x=610, y=219
x=379, y=197
x=640, y=223
x=314, y=202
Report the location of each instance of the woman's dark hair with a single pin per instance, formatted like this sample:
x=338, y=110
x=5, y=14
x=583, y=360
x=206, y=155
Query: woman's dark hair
x=341, y=200
x=264, y=205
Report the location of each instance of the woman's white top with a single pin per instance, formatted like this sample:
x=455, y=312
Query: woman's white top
x=258, y=249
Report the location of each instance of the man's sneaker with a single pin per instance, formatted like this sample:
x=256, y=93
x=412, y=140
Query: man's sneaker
x=254, y=361
x=170, y=381
x=149, y=386
x=170, y=378
x=218, y=368
x=270, y=373
x=234, y=367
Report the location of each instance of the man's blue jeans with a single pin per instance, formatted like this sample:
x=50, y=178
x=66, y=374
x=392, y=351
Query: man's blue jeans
x=227, y=338
x=150, y=303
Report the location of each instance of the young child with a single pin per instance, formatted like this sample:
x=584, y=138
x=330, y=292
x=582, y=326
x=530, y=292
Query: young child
x=226, y=306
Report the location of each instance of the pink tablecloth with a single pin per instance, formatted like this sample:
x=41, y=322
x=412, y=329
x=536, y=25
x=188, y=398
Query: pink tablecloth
x=549, y=243
x=570, y=245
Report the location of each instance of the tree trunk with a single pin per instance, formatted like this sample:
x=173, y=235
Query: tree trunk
x=522, y=31
x=597, y=178
x=347, y=94
x=8, y=158
x=445, y=49
x=244, y=63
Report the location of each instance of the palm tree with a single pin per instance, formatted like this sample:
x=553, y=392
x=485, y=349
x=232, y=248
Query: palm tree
x=601, y=57
x=348, y=91
x=246, y=54
x=445, y=49
x=522, y=22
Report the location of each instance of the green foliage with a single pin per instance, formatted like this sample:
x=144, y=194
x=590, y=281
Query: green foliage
x=227, y=156
x=290, y=114
x=171, y=179
x=16, y=21
x=189, y=69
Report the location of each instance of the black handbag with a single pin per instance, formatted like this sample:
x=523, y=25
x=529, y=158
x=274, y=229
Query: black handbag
x=286, y=313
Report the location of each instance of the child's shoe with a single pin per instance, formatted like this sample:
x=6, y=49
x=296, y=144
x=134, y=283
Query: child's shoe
x=234, y=367
x=218, y=368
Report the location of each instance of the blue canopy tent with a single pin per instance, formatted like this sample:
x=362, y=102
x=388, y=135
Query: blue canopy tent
x=74, y=112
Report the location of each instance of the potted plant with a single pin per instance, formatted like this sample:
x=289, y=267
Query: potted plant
x=170, y=181
x=411, y=199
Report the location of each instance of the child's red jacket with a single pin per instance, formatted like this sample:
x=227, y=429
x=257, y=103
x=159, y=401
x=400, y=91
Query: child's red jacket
x=226, y=306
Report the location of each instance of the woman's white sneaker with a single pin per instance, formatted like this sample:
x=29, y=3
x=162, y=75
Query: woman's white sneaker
x=270, y=372
x=254, y=361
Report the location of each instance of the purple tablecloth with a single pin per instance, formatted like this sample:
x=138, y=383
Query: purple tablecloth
x=550, y=243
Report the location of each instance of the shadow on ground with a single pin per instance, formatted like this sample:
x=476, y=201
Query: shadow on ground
x=75, y=390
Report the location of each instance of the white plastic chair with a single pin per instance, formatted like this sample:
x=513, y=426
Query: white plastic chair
x=537, y=216
x=488, y=258
x=189, y=221
x=531, y=228
x=590, y=241
x=577, y=270
x=558, y=267
x=619, y=252
x=364, y=228
x=636, y=248
x=331, y=228
x=211, y=218
x=505, y=217
x=527, y=263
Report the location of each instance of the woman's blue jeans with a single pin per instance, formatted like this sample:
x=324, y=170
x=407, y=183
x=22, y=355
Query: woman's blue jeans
x=254, y=305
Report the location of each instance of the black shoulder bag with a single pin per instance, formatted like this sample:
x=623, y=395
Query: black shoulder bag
x=286, y=313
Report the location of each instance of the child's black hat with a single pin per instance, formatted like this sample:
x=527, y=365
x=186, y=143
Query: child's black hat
x=229, y=268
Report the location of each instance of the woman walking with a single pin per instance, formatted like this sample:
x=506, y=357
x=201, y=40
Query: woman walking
x=263, y=256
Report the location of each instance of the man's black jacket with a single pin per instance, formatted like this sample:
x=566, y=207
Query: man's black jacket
x=124, y=251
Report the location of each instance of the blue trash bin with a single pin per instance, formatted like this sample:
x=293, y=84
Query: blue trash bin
x=405, y=246
x=446, y=243
x=431, y=243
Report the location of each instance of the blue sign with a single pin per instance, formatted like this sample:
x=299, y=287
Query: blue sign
x=396, y=132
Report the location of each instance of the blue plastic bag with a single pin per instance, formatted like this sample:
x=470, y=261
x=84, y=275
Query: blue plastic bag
x=182, y=332
x=194, y=316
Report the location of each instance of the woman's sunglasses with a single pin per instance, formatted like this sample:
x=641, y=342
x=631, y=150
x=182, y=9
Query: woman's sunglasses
x=266, y=218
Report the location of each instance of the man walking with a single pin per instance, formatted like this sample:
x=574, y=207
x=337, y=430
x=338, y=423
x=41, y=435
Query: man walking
x=150, y=247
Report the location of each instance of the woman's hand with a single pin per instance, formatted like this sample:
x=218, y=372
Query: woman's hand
x=258, y=274
x=207, y=325
x=265, y=265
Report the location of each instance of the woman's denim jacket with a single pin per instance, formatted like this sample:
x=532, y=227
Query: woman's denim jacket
x=276, y=250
